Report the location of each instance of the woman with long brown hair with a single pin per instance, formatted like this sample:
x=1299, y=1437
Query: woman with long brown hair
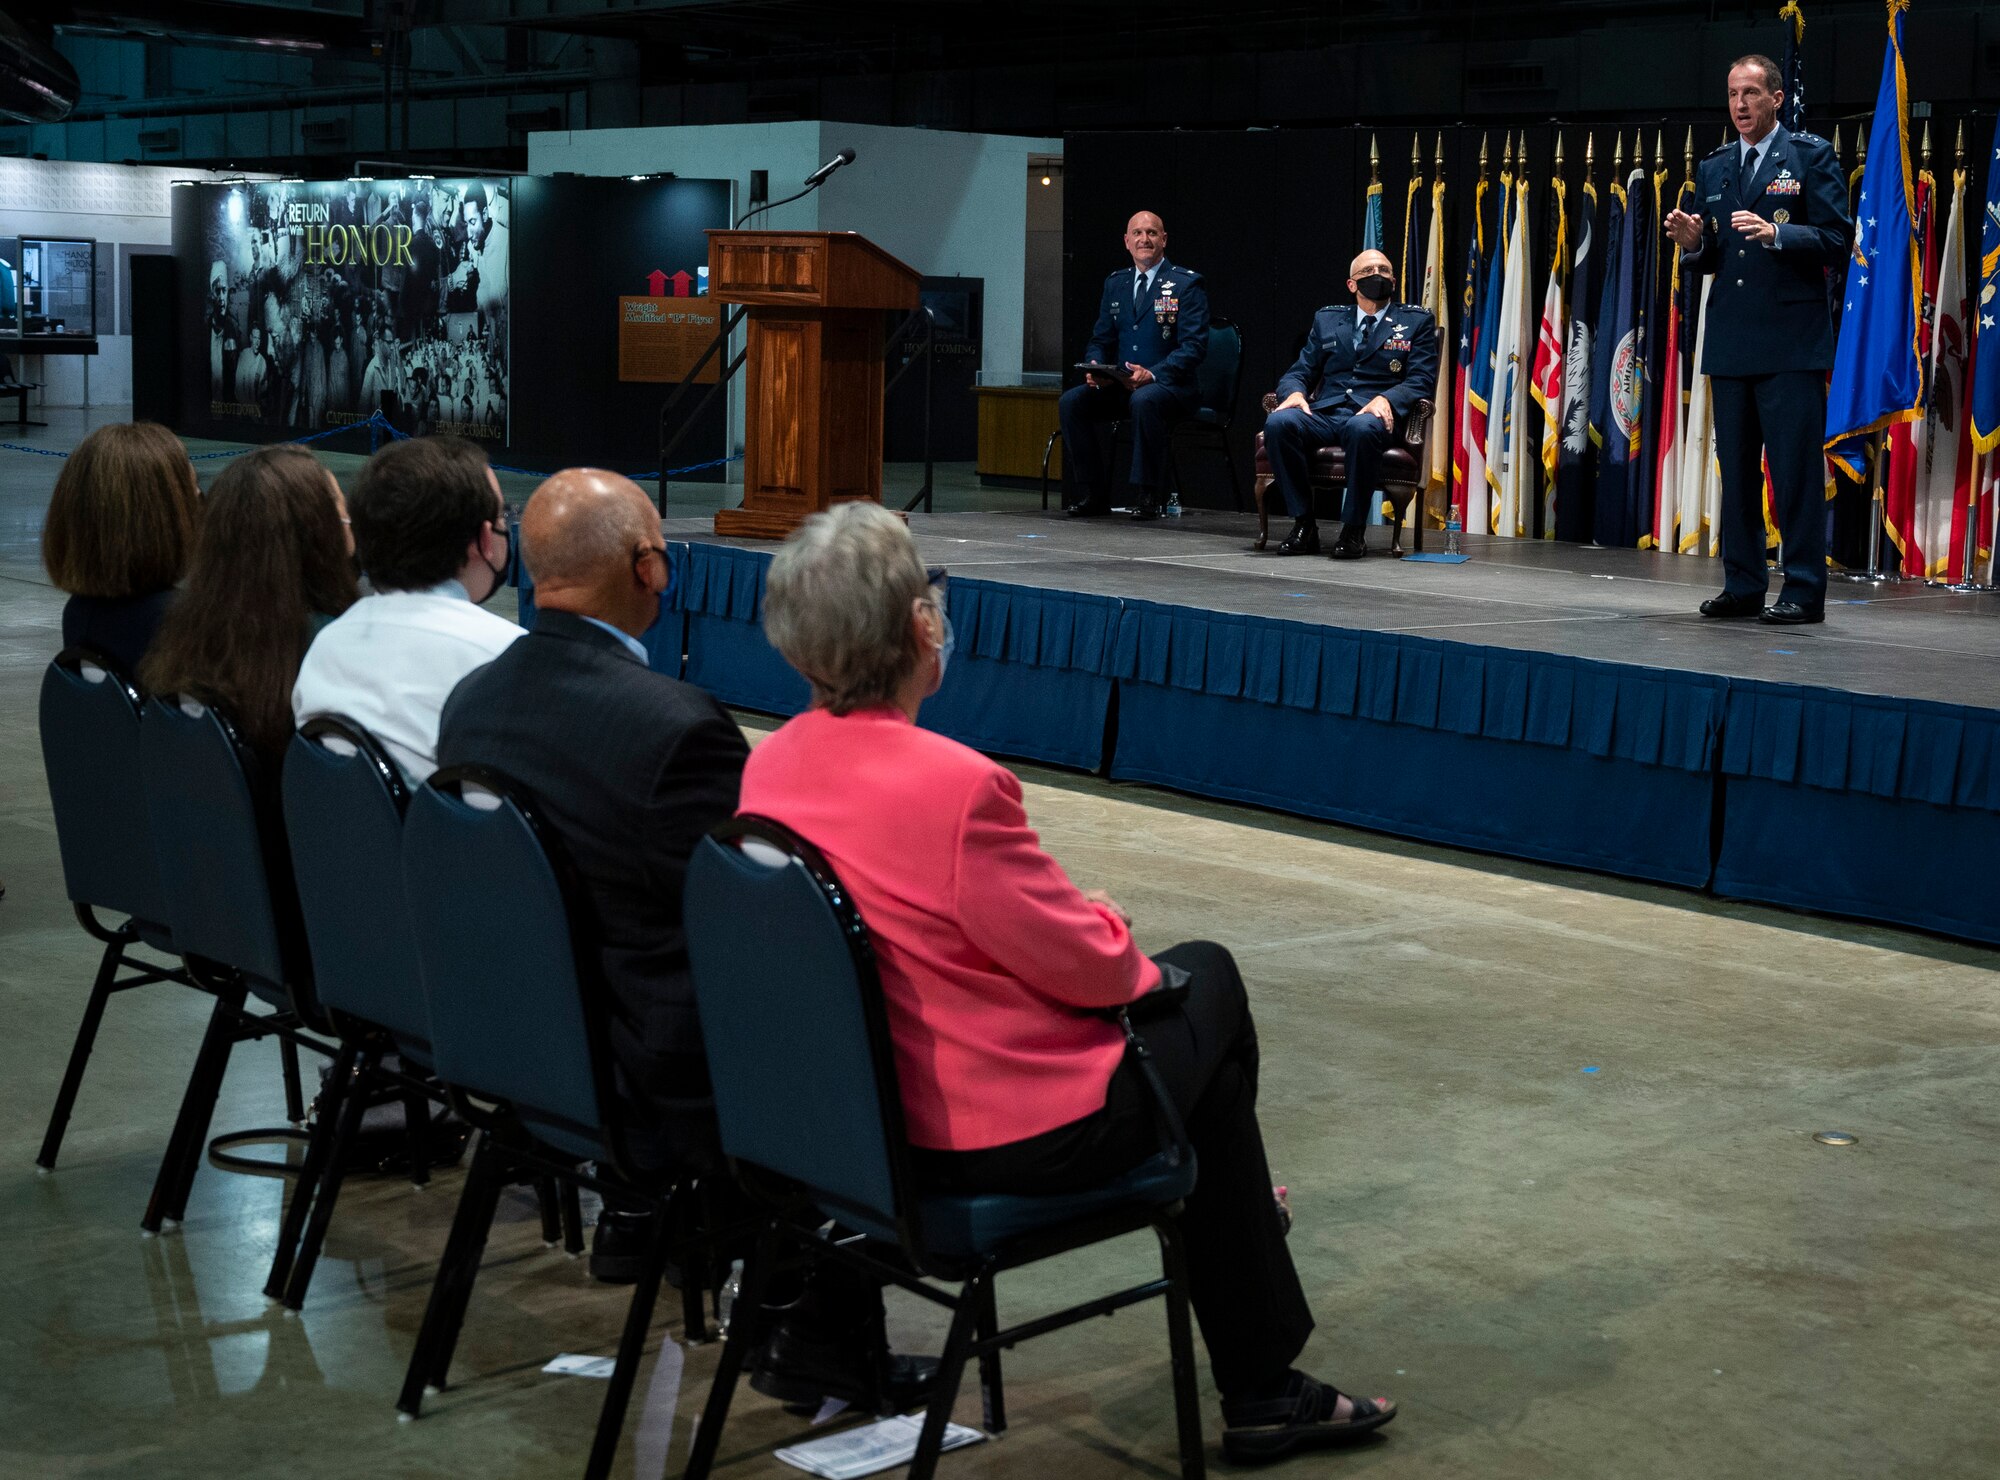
x=272, y=565
x=118, y=534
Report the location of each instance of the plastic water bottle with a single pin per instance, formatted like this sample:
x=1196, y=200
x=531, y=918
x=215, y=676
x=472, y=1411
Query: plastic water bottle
x=725, y=1301
x=1452, y=530
x=1173, y=503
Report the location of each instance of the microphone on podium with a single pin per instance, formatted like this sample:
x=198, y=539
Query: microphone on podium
x=818, y=176
x=813, y=181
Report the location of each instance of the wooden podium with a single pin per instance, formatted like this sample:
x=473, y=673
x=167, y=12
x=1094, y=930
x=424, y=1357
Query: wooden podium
x=813, y=432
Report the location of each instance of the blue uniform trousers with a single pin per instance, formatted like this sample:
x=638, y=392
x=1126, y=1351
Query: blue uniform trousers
x=1781, y=416
x=1291, y=437
x=1087, y=414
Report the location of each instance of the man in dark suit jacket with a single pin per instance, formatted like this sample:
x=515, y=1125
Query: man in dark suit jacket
x=630, y=769
x=1152, y=320
x=1363, y=370
x=1773, y=217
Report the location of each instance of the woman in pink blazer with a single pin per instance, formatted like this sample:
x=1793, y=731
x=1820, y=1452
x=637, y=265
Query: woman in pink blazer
x=996, y=967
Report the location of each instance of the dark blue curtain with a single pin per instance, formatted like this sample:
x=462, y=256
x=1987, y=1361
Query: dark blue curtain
x=1590, y=764
x=1862, y=805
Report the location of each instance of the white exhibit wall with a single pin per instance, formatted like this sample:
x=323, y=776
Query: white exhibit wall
x=116, y=204
x=948, y=204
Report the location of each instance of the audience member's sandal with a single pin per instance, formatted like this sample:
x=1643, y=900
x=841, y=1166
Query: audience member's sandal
x=1301, y=1416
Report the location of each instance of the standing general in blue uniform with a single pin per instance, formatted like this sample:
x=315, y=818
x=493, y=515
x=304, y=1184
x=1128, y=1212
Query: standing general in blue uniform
x=1773, y=217
x=1362, y=372
x=1153, y=320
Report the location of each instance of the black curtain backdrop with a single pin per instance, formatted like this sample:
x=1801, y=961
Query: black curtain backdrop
x=1272, y=217
x=580, y=243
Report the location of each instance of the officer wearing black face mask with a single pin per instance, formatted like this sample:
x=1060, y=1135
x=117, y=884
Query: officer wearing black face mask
x=1363, y=370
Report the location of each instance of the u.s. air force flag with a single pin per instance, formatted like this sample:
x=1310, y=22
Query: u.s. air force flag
x=1986, y=368
x=1878, y=377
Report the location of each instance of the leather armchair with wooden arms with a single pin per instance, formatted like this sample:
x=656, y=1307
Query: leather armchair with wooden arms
x=1405, y=472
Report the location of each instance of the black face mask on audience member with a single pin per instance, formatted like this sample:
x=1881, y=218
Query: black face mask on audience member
x=1376, y=286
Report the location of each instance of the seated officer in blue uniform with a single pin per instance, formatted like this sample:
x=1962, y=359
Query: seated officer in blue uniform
x=1773, y=216
x=1153, y=320
x=1362, y=372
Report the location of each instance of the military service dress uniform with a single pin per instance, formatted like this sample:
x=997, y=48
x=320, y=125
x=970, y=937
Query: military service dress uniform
x=1768, y=347
x=1157, y=318
x=1350, y=357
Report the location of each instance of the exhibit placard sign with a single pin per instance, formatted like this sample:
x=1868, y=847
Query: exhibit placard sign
x=661, y=338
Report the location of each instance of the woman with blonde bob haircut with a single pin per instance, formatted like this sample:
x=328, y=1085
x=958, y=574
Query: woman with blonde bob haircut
x=119, y=531
x=997, y=971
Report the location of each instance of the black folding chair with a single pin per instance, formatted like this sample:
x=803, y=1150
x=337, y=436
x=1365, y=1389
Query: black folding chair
x=517, y=1013
x=227, y=881
x=90, y=718
x=812, y=1120
x=18, y=389
x=343, y=804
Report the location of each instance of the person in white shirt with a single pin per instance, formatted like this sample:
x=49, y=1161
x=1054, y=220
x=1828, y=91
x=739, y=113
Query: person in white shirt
x=430, y=531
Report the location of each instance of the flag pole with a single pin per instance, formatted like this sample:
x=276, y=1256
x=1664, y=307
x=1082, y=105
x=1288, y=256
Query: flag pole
x=1968, y=582
x=1878, y=518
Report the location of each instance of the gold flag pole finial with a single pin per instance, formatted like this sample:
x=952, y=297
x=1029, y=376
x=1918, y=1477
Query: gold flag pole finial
x=1839, y=155
x=1860, y=146
x=1958, y=150
x=1927, y=146
x=1416, y=154
x=1687, y=156
x=1507, y=154
x=1617, y=156
x=1659, y=150
x=1559, y=152
x=1589, y=155
x=1440, y=154
x=1374, y=161
x=1482, y=156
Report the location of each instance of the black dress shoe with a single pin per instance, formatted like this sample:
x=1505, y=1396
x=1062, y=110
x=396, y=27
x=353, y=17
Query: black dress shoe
x=1346, y=549
x=1303, y=540
x=618, y=1247
x=1791, y=614
x=1090, y=508
x=1732, y=604
x=1147, y=510
x=804, y=1367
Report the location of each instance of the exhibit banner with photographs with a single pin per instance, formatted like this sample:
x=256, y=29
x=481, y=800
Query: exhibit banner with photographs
x=330, y=300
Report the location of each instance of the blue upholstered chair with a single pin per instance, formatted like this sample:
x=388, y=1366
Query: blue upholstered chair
x=90, y=716
x=343, y=805
x=518, y=1031
x=1217, y=381
x=812, y=1120
x=227, y=885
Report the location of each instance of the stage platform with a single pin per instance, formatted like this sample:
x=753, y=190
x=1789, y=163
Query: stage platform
x=1620, y=606
x=1538, y=700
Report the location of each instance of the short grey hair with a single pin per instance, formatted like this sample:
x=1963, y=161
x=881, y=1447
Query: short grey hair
x=837, y=604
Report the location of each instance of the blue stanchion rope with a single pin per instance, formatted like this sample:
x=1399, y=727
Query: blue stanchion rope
x=375, y=425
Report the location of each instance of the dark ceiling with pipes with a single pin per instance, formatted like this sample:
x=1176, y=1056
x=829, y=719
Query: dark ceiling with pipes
x=285, y=83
